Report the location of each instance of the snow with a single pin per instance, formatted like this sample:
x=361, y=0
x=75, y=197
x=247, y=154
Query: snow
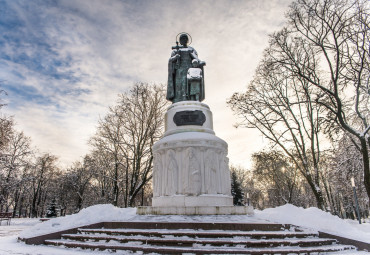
x=191, y=136
x=316, y=219
x=16, y=226
x=87, y=216
x=107, y=213
x=10, y=246
x=311, y=218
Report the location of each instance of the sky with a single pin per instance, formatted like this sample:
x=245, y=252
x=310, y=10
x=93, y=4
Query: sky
x=63, y=62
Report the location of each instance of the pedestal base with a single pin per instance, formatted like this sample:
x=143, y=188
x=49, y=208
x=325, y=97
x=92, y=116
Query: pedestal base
x=196, y=210
x=192, y=201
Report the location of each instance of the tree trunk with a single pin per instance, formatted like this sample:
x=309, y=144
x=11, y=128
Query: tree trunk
x=33, y=205
x=317, y=193
x=126, y=191
x=142, y=196
x=79, y=202
x=16, y=200
x=115, y=188
x=365, y=160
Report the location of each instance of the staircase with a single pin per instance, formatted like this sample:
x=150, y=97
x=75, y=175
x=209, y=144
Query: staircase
x=200, y=238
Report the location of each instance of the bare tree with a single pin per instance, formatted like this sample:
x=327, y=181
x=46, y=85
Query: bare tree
x=281, y=107
x=78, y=178
x=346, y=163
x=42, y=172
x=276, y=171
x=107, y=143
x=143, y=111
x=326, y=44
x=126, y=135
x=16, y=157
x=6, y=127
x=101, y=160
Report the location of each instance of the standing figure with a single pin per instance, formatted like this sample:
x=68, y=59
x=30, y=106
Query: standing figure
x=157, y=175
x=195, y=81
x=178, y=66
x=211, y=173
x=171, y=175
x=194, y=171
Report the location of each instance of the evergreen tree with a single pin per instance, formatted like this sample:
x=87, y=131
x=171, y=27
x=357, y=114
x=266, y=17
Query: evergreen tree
x=236, y=190
x=51, y=211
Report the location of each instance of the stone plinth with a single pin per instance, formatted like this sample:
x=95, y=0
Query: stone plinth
x=172, y=128
x=190, y=167
x=196, y=210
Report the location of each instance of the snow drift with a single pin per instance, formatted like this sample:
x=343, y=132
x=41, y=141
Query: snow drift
x=318, y=220
x=87, y=216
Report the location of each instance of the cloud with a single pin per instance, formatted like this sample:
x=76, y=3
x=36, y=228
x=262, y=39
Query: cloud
x=64, y=62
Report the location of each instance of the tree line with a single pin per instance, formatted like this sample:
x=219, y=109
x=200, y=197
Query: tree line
x=117, y=169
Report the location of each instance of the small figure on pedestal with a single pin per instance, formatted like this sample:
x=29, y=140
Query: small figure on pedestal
x=195, y=81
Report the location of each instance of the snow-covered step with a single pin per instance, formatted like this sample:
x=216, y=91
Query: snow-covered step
x=187, y=241
x=201, y=233
x=133, y=246
x=202, y=238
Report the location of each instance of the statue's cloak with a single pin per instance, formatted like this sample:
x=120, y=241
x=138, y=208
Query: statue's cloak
x=202, y=91
x=171, y=80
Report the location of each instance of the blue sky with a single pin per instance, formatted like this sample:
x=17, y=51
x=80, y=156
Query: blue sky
x=63, y=62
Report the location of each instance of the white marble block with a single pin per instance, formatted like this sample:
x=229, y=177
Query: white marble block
x=172, y=128
x=191, y=167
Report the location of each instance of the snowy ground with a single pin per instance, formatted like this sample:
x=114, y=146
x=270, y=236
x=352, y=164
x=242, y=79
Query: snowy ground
x=310, y=218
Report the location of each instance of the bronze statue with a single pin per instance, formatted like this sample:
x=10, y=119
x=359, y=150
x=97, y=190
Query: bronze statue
x=185, y=73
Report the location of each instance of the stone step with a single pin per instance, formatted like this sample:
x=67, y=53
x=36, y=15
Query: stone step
x=201, y=233
x=187, y=241
x=196, y=250
x=200, y=225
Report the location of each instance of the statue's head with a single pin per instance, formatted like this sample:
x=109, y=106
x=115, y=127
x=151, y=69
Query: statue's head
x=195, y=62
x=184, y=39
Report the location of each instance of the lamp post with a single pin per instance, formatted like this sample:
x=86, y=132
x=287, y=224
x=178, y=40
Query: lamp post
x=356, y=201
x=248, y=198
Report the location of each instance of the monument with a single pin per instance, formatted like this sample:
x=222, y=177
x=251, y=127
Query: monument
x=191, y=170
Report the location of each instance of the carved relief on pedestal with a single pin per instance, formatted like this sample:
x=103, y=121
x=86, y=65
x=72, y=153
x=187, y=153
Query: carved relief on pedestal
x=211, y=172
x=171, y=174
x=185, y=174
x=225, y=175
x=157, y=175
x=191, y=168
x=194, y=173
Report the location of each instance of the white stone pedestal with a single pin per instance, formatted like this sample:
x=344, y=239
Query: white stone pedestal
x=172, y=128
x=191, y=170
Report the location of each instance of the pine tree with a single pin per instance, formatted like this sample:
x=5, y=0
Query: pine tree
x=236, y=190
x=51, y=211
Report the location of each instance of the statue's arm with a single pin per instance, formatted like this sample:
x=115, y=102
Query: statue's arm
x=194, y=51
x=174, y=56
x=194, y=55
